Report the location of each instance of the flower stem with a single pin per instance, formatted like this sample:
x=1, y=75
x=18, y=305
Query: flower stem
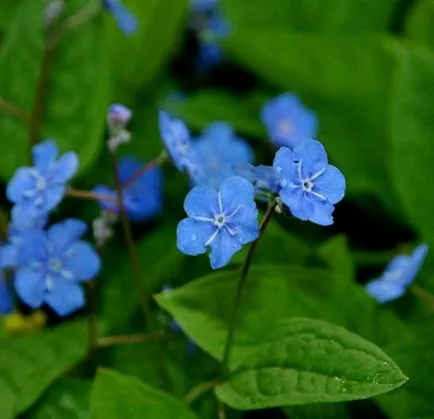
x=14, y=111
x=200, y=389
x=220, y=409
x=93, y=196
x=423, y=294
x=84, y=15
x=129, y=339
x=148, y=166
x=244, y=272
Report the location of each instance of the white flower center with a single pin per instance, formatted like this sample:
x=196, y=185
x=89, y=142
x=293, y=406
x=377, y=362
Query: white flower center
x=286, y=127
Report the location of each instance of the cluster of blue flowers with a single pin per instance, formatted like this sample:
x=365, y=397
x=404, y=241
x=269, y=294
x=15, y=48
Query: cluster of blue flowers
x=48, y=263
x=222, y=214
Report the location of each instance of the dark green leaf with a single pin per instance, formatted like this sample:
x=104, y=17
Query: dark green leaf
x=420, y=23
x=20, y=60
x=117, y=396
x=305, y=361
x=412, y=129
x=66, y=399
x=29, y=364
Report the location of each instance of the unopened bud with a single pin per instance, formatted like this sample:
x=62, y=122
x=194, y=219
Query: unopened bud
x=118, y=116
x=53, y=11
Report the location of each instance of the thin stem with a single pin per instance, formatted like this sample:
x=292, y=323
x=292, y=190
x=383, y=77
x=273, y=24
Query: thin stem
x=422, y=294
x=200, y=389
x=93, y=196
x=129, y=339
x=84, y=15
x=244, y=272
x=14, y=111
x=148, y=166
x=132, y=250
x=220, y=409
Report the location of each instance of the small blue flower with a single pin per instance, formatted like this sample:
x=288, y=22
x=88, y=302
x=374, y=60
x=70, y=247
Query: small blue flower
x=6, y=301
x=22, y=223
x=177, y=141
x=118, y=115
x=39, y=189
x=287, y=121
x=143, y=198
x=309, y=186
x=263, y=178
x=398, y=276
x=51, y=266
x=126, y=21
x=222, y=220
x=219, y=151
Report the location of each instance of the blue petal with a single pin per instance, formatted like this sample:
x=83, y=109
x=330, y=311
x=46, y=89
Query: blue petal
x=384, y=291
x=264, y=178
x=322, y=212
x=223, y=248
x=416, y=259
x=30, y=286
x=201, y=201
x=128, y=165
x=285, y=167
x=9, y=256
x=82, y=260
x=300, y=204
x=245, y=224
x=44, y=155
x=105, y=204
x=235, y=192
x=53, y=195
x=126, y=21
x=65, y=297
x=331, y=184
x=6, y=301
x=33, y=248
x=64, y=168
x=26, y=219
x=62, y=236
x=313, y=157
x=21, y=182
x=193, y=235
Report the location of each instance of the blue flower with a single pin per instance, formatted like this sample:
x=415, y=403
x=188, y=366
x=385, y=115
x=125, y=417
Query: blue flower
x=222, y=220
x=126, y=21
x=263, y=178
x=177, y=141
x=398, y=276
x=6, y=301
x=219, y=150
x=309, y=186
x=287, y=121
x=51, y=266
x=143, y=198
x=22, y=223
x=39, y=189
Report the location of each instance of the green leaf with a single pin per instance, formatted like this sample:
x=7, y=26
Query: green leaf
x=420, y=23
x=20, y=60
x=78, y=95
x=157, y=271
x=272, y=292
x=305, y=361
x=66, y=399
x=311, y=15
x=29, y=364
x=350, y=93
x=412, y=129
x=160, y=23
x=117, y=396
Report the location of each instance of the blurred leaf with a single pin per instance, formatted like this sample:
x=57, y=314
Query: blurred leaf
x=311, y=15
x=303, y=361
x=420, y=23
x=66, y=399
x=117, y=396
x=20, y=60
x=346, y=80
x=160, y=260
x=7, y=12
x=78, y=95
x=272, y=292
x=29, y=364
x=412, y=129
x=148, y=50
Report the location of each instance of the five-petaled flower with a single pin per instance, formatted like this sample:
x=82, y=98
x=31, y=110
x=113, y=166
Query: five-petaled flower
x=222, y=220
x=397, y=276
x=143, y=198
x=287, y=121
x=126, y=21
x=52, y=264
x=219, y=151
x=40, y=188
x=309, y=186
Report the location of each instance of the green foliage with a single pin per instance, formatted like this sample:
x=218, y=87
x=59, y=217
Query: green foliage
x=419, y=26
x=29, y=364
x=117, y=396
x=303, y=361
